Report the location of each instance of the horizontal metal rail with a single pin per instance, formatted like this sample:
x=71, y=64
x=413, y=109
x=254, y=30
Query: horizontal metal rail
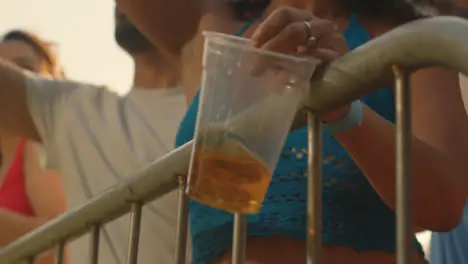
x=437, y=41
x=105, y=207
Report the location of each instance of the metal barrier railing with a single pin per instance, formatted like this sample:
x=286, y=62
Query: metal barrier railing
x=437, y=41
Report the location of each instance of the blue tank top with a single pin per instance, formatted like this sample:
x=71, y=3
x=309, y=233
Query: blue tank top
x=353, y=213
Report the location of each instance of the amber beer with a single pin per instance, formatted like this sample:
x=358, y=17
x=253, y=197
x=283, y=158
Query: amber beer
x=227, y=176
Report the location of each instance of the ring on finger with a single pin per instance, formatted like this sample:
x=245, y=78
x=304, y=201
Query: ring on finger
x=311, y=40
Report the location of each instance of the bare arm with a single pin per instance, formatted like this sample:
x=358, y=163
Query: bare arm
x=14, y=225
x=44, y=187
x=14, y=114
x=440, y=150
x=45, y=192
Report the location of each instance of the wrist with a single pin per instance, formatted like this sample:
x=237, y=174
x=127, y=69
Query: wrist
x=336, y=115
x=347, y=119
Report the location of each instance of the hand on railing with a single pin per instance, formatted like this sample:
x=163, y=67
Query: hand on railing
x=294, y=31
x=426, y=42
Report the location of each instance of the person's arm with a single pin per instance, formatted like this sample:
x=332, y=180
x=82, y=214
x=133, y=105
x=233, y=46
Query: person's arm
x=14, y=114
x=439, y=126
x=45, y=192
x=14, y=225
x=439, y=150
x=44, y=187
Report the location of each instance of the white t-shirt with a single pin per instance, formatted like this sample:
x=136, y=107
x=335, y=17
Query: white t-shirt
x=95, y=138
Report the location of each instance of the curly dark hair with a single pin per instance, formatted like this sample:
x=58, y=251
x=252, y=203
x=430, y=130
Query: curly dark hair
x=36, y=44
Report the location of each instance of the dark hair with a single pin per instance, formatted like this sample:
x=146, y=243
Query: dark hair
x=395, y=10
x=248, y=9
x=459, y=11
x=398, y=11
x=36, y=44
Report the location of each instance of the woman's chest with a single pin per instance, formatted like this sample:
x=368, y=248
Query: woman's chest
x=343, y=182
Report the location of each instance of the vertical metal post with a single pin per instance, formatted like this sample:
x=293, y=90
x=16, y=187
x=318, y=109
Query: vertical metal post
x=135, y=226
x=239, y=239
x=182, y=223
x=314, y=190
x=403, y=166
x=59, y=258
x=94, y=245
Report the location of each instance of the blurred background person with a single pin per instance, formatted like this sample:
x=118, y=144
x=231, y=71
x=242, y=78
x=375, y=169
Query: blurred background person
x=96, y=138
x=153, y=107
x=29, y=195
x=94, y=135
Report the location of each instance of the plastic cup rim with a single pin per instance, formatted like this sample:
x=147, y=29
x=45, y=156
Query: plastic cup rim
x=231, y=43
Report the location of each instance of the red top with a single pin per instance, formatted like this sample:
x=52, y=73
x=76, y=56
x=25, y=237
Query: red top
x=13, y=194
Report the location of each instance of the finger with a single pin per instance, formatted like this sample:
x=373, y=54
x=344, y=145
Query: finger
x=298, y=34
x=276, y=22
x=333, y=41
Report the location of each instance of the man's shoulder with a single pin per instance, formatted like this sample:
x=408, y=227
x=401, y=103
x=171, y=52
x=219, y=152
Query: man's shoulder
x=55, y=92
x=82, y=91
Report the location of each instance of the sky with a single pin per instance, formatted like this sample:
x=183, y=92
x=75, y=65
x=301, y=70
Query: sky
x=84, y=32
